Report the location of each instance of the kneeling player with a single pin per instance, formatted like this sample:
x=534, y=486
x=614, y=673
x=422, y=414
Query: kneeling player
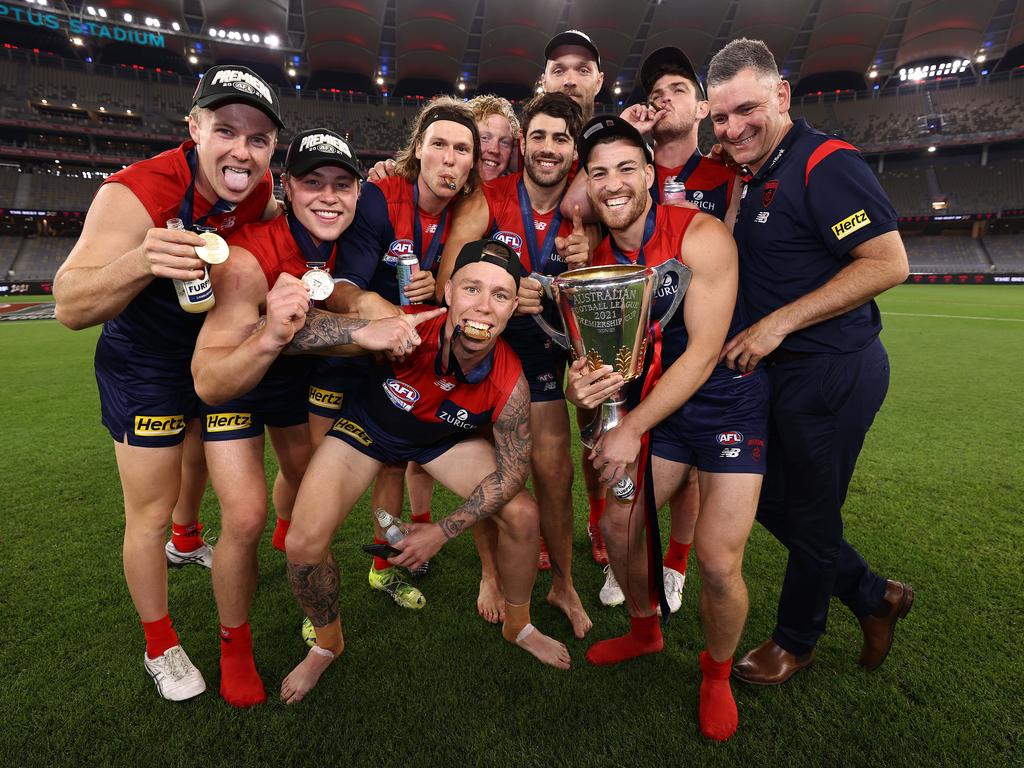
x=428, y=408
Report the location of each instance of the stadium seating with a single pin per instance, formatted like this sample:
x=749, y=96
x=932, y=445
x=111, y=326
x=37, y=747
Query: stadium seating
x=1006, y=252
x=39, y=257
x=946, y=253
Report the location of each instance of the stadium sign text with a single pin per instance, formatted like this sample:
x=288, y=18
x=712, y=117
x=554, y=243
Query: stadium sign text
x=80, y=27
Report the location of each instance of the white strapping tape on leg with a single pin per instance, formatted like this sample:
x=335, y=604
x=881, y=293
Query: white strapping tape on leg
x=322, y=651
x=524, y=633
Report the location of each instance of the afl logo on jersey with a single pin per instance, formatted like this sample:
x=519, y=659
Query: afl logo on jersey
x=401, y=394
x=397, y=249
x=730, y=438
x=511, y=239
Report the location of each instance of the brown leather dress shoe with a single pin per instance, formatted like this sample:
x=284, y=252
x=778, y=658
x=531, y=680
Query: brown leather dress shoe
x=770, y=664
x=880, y=626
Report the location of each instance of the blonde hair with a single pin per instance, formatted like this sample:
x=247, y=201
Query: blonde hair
x=407, y=165
x=488, y=104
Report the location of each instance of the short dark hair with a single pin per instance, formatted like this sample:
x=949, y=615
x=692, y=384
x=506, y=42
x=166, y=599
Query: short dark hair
x=740, y=54
x=556, y=105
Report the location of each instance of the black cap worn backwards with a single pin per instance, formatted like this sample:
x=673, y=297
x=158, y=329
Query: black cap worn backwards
x=572, y=37
x=604, y=126
x=491, y=252
x=319, y=146
x=668, y=61
x=235, y=84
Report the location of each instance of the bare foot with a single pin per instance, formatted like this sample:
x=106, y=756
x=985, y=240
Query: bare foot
x=490, y=603
x=568, y=602
x=301, y=680
x=547, y=649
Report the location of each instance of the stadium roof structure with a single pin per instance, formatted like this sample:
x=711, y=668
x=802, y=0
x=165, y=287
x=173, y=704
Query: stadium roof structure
x=501, y=42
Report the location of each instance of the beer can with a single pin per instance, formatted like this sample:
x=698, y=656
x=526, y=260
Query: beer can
x=406, y=268
x=674, y=192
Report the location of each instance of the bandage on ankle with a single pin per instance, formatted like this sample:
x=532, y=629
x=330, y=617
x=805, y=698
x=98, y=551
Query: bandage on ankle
x=517, y=619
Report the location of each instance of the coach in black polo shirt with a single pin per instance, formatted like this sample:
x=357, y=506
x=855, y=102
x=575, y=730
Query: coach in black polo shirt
x=817, y=241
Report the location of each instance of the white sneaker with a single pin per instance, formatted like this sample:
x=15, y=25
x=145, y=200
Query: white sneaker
x=175, y=676
x=674, y=581
x=611, y=592
x=201, y=555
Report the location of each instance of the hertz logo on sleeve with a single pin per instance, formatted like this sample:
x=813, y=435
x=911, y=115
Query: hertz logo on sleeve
x=851, y=223
x=352, y=429
x=227, y=422
x=160, y=425
x=325, y=398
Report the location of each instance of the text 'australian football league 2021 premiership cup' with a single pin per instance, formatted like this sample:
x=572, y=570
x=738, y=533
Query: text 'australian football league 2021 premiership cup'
x=606, y=312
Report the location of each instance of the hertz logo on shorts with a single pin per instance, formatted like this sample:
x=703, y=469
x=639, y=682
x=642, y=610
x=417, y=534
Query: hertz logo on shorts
x=159, y=425
x=227, y=422
x=851, y=223
x=325, y=398
x=353, y=430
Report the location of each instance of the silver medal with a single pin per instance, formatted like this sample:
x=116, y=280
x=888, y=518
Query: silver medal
x=319, y=282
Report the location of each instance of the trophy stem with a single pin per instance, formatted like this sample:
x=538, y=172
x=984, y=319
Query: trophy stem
x=609, y=415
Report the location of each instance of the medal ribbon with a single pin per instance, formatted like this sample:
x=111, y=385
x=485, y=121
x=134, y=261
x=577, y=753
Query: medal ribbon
x=538, y=261
x=315, y=256
x=188, y=203
x=621, y=257
x=426, y=259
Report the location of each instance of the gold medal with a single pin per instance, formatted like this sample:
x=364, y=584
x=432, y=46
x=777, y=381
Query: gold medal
x=215, y=251
x=319, y=282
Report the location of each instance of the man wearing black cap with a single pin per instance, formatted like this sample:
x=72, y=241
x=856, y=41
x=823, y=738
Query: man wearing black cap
x=429, y=408
x=120, y=274
x=699, y=413
x=274, y=270
x=573, y=67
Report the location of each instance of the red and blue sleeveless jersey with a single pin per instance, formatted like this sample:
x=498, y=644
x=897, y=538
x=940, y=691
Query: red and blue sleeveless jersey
x=663, y=242
x=709, y=183
x=383, y=231
x=800, y=215
x=507, y=224
x=424, y=400
x=153, y=322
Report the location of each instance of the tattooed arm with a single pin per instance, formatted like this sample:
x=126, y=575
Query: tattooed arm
x=512, y=445
x=328, y=334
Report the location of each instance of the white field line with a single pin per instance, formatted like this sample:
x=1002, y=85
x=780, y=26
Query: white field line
x=956, y=317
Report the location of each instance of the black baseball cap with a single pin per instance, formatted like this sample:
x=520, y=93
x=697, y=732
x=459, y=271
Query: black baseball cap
x=606, y=125
x=320, y=146
x=491, y=252
x=235, y=84
x=572, y=37
x=668, y=60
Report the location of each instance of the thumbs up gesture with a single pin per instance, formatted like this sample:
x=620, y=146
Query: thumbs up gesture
x=575, y=249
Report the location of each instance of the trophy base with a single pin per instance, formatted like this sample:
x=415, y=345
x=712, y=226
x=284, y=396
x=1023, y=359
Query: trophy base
x=609, y=416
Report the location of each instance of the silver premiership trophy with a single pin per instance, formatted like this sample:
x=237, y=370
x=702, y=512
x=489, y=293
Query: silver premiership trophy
x=606, y=312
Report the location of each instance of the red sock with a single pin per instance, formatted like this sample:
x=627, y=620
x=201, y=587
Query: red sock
x=160, y=636
x=186, y=538
x=240, y=684
x=422, y=517
x=596, y=510
x=379, y=563
x=718, y=715
x=644, y=637
x=280, y=531
x=677, y=555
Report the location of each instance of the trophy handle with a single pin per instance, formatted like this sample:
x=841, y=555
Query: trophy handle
x=683, y=275
x=546, y=282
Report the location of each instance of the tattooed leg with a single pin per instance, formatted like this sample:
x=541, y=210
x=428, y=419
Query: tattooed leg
x=316, y=589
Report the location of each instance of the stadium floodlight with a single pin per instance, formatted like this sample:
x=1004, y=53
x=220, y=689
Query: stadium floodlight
x=102, y=12
x=221, y=34
x=193, y=59
x=291, y=72
x=380, y=81
x=272, y=40
x=176, y=26
x=462, y=86
x=90, y=10
x=245, y=36
x=128, y=111
x=931, y=148
x=980, y=58
x=128, y=17
x=77, y=41
x=74, y=105
x=873, y=74
x=617, y=89
x=213, y=32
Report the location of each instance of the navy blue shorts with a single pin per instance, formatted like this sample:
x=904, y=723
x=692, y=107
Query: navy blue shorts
x=723, y=428
x=543, y=362
x=386, y=448
x=279, y=400
x=332, y=379
x=145, y=398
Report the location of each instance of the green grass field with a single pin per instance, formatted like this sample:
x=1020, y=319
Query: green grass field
x=936, y=501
